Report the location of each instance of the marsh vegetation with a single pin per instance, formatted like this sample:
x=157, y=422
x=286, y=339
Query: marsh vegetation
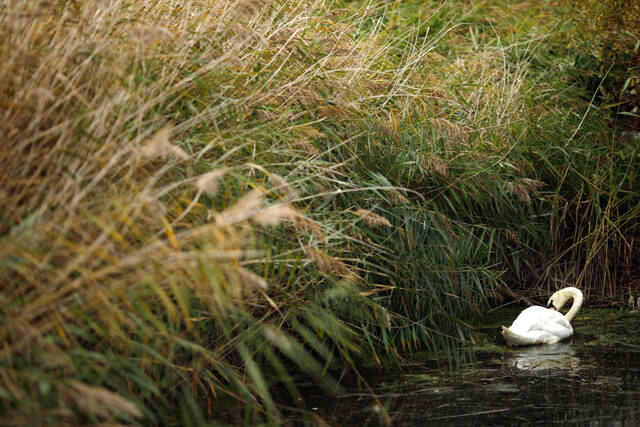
x=207, y=206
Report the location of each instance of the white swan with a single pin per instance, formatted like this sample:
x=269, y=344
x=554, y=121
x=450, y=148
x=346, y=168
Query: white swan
x=539, y=325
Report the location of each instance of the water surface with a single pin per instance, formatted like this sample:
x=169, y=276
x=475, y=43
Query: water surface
x=591, y=379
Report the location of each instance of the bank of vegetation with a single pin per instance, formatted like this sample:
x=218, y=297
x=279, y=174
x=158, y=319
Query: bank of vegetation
x=208, y=205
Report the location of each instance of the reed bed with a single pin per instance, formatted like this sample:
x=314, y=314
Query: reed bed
x=206, y=205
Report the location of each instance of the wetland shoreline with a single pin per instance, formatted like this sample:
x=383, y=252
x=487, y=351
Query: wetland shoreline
x=594, y=377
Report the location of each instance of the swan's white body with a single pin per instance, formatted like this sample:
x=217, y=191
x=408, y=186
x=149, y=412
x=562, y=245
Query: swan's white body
x=540, y=325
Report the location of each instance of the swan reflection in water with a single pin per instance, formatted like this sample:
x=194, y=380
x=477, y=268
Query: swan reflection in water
x=559, y=356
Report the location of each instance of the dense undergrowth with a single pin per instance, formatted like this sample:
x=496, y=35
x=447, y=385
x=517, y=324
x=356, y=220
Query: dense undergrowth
x=207, y=203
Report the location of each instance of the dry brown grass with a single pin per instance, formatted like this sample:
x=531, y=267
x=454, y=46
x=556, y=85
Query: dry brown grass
x=119, y=160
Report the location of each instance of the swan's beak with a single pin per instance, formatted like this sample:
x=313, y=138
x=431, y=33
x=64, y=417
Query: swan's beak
x=552, y=308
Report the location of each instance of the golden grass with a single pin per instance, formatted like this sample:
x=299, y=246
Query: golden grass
x=117, y=169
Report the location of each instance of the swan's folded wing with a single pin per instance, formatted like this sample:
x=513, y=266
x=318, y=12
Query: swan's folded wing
x=557, y=326
x=531, y=319
x=537, y=318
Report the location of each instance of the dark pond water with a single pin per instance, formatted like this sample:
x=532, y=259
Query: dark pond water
x=592, y=379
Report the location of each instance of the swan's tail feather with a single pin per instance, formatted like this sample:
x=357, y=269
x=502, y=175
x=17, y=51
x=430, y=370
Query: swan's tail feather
x=514, y=339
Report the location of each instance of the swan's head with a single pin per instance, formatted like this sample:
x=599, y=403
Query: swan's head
x=560, y=298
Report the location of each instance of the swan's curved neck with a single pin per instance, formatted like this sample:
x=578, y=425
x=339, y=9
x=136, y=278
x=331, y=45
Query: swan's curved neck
x=577, y=297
